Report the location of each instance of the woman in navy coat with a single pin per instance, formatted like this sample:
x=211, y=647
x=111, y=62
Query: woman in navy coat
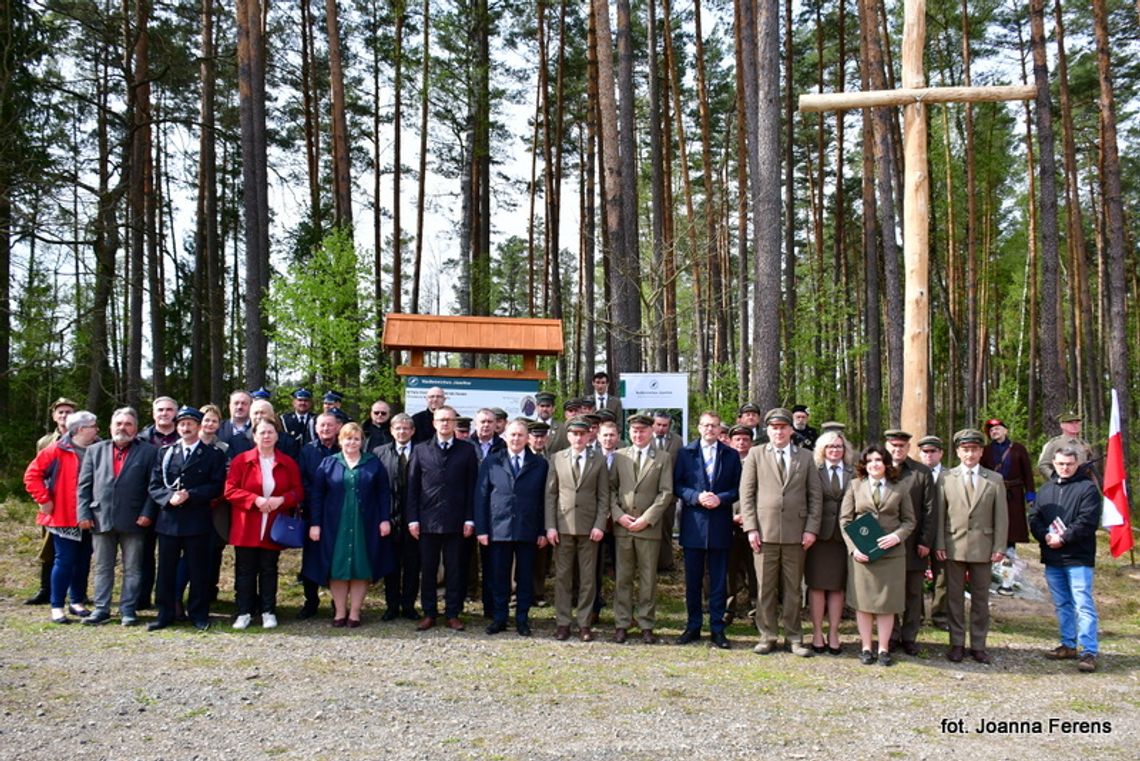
x=349, y=513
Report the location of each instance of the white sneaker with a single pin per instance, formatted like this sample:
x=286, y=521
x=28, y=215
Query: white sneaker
x=242, y=621
x=268, y=621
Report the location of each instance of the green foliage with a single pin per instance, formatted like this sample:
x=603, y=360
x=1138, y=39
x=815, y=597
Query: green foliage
x=316, y=316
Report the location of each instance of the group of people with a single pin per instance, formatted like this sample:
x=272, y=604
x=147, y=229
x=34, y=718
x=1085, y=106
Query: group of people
x=764, y=508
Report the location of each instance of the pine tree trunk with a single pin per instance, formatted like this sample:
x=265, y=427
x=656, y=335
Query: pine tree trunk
x=1118, y=350
x=626, y=286
x=342, y=166
x=425, y=89
x=1052, y=379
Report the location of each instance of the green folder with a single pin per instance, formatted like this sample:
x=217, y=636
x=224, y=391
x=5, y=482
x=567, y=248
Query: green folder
x=865, y=532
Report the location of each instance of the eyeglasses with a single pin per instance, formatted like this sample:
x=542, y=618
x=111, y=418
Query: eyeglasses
x=380, y=413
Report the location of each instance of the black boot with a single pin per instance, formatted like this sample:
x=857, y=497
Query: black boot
x=42, y=597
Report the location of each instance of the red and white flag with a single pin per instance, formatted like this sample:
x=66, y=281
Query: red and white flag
x=1114, y=516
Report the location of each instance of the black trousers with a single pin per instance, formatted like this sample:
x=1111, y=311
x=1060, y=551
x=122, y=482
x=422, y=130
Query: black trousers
x=402, y=585
x=146, y=583
x=449, y=547
x=255, y=572
x=197, y=551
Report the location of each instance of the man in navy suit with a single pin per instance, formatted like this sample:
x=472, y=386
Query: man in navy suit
x=112, y=492
x=440, y=513
x=510, y=503
x=188, y=475
x=706, y=477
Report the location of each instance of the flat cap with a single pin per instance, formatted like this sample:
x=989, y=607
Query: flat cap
x=930, y=441
x=578, y=423
x=544, y=397
x=778, y=415
x=537, y=428
x=897, y=434
x=62, y=402
x=969, y=436
x=1069, y=417
x=740, y=430
x=748, y=407
x=639, y=419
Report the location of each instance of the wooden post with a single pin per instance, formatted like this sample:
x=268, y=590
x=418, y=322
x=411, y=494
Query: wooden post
x=916, y=228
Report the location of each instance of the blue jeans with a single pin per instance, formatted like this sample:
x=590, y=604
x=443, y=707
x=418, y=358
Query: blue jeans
x=1072, y=590
x=70, y=569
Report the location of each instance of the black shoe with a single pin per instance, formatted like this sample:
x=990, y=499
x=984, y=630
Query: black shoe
x=78, y=610
x=523, y=630
x=410, y=614
x=391, y=614
x=885, y=658
x=307, y=611
x=496, y=626
x=43, y=597
x=688, y=636
x=819, y=649
x=866, y=658
x=98, y=617
x=155, y=626
x=721, y=641
x=202, y=625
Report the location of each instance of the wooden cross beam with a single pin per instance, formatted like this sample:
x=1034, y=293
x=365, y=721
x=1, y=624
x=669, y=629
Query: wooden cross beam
x=913, y=96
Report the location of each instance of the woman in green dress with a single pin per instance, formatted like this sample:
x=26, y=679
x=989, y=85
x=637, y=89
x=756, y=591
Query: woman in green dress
x=350, y=508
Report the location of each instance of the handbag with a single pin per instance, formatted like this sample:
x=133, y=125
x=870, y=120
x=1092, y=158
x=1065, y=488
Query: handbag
x=288, y=530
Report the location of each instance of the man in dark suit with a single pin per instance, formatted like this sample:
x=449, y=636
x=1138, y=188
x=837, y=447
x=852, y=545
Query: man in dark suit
x=441, y=512
x=706, y=477
x=377, y=429
x=187, y=477
x=301, y=422
x=424, y=420
x=312, y=454
x=915, y=478
x=239, y=423
x=402, y=585
x=486, y=440
x=930, y=451
x=509, y=521
x=603, y=398
x=112, y=491
x=781, y=504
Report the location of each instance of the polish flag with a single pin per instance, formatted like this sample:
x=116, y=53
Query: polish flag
x=1114, y=516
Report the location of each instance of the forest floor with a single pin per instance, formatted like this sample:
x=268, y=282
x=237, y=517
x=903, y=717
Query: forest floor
x=307, y=691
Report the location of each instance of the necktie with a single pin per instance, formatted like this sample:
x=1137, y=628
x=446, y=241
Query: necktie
x=660, y=442
x=516, y=466
x=780, y=466
x=970, y=484
x=186, y=452
x=877, y=493
x=577, y=468
x=640, y=455
x=836, y=485
x=444, y=445
x=710, y=462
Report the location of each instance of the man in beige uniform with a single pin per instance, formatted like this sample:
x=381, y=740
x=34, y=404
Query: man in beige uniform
x=641, y=482
x=577, y=506
x=972, y=531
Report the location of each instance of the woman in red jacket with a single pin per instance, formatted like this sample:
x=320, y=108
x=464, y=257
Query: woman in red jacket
x=262, y=482
x=52, y=479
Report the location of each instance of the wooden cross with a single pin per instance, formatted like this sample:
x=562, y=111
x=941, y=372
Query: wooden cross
x=914, y=96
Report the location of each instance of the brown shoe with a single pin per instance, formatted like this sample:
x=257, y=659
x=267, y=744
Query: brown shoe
x=562, y=633
x=425, y=623
x=455, y=625
x=586, y=634
x=648, y=637
x=956, y=654
x=620, y=635
x=1062, y=653
x=1087, y=664
x=593, y=618
x=981, y=656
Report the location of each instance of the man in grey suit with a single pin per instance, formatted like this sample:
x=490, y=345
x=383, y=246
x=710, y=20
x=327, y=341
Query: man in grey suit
x=577, y=506
x=781, y=501
x=111, y=494
x=641, y=483
x=972, y=529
